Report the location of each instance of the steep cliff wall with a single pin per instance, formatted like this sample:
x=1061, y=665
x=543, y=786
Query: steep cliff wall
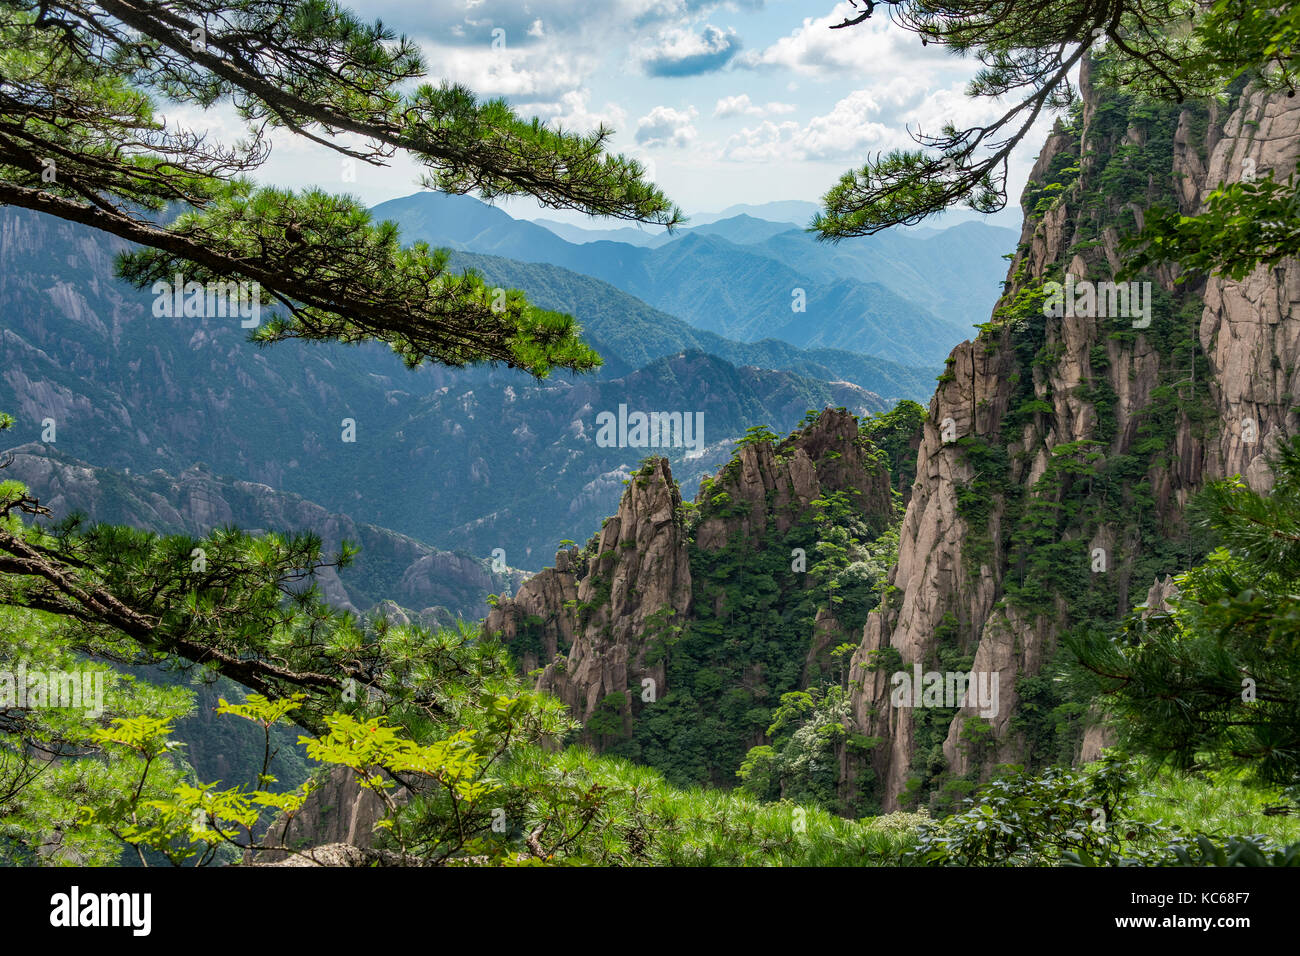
x=771, y=485
x=653, y=622
x=639, y=576
x=1060, y=451
x=338, y=811
x=586, y=620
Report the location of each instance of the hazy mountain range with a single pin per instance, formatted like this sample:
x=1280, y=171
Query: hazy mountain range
x=899, y=297
x=471, y=460
x=452, y=458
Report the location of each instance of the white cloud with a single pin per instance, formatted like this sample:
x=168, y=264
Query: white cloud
x=683, y=52
x=952, y=105
x=665, y=126
x=849, y=129
x=742, y=106
x=573, y=112
x=471, y=21
x=540, y=72
x=736, y=106
x=876, y=46
x=864, y=121
x=765, y=143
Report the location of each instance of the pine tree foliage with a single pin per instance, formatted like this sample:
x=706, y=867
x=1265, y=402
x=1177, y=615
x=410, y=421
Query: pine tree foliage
x=83, y=137
x=1215, y=681
x=1170, y=50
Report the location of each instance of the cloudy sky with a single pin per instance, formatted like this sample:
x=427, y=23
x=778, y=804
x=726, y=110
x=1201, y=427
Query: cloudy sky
x=726, y=102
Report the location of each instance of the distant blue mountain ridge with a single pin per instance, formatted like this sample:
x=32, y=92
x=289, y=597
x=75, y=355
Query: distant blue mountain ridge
x=908, y=299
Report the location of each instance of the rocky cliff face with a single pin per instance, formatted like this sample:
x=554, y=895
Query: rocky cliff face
x=1248, y=328
x=597, y=612
x=773, y=484
x=640, y=571
x=598, y=621
x=338, y=811
x=1108, y=427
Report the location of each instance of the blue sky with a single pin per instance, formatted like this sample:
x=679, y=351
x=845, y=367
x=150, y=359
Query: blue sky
x=741, y=101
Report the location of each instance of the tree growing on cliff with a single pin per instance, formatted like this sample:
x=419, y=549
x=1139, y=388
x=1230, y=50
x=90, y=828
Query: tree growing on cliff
x=1170, y=50
x=1216, y=681
x=81, y=138
x=895, y=435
